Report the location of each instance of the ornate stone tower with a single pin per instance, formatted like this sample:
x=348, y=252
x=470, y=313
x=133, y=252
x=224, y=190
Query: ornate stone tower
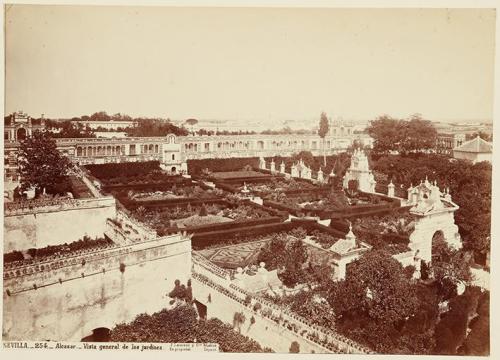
x=360, y=171
x=434, y=212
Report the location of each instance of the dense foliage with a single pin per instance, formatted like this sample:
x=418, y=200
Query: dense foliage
x=155, y=127
x=180, y=325
x=287, y=254
x=132, y=169
x=63, y=249
x=69, y=129
x=469, y=185
x=402, y=136
x=206, y=166
x=380, y=306
x=41, y=165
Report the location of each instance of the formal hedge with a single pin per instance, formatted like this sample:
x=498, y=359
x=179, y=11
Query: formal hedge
x=239, y=224
x=163, y=184
x=168, y=203
x=234, y=235
x=196, y=167
x=113, y=170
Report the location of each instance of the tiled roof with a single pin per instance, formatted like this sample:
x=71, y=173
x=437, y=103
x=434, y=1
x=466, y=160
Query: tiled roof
x=476, y=145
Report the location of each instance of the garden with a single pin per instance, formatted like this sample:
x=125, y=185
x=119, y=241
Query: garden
x=115, y=175
x=265, y=187
x=197, y=215
x=388, y=231
x=329, y=202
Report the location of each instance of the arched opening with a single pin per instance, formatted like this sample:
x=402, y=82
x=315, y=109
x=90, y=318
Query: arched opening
x=21, y=134
x=173, y=169
x=101, y=334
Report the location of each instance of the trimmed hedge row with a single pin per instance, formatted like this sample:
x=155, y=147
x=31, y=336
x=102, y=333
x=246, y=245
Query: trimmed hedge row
x=196, y=166
x=371, y=212
x=201, y=240
x=233, y=225
x=112, y=170
x=161, y=185
x=168, y=203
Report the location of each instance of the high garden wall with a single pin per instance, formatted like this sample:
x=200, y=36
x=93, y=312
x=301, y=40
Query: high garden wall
x=55, y=222
x=66, y=298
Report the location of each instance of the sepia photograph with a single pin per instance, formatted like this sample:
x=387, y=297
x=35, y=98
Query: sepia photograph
x=250, y=179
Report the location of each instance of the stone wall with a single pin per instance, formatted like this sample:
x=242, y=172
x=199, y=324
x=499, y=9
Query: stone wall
x=69, y=297
x=26, y=228
x=273, y=326
x=266, y=332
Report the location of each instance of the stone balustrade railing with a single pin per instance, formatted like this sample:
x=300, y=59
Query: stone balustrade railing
x=199, y=260
x=48, y=205
x=332, y=341
x=83, y=262
x=314, y=327
x=32, y=266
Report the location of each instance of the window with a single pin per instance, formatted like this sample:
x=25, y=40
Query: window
x=173, y=156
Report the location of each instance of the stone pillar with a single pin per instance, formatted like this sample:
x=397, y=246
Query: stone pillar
x=390, y=189
x=282, y=167
x=320, y=175
x=262, y=163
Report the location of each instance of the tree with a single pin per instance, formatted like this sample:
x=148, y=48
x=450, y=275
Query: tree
x=374, y=300
x=155, y=127
x=322, y=132
x=449, y=266
x=387, y=134
x=40, y=163
x=293, y=258
x=402, y=136
x=191, y=122
x=419, y=135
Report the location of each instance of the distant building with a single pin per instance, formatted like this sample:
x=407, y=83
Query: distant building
x=109, y=125
x=446, y=142
x=19, y=125
x=475, y=150
x=338, y=128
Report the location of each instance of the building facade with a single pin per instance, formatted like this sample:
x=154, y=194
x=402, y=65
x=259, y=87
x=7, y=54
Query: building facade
x=173, y=151
x=19, y=125
x=446, y=142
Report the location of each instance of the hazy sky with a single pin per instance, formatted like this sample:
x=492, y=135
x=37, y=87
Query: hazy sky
x=249, y=63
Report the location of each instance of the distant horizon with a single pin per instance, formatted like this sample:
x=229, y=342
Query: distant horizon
x=311, y=119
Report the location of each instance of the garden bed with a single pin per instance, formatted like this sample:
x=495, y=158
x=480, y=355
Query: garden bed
x=195, y=215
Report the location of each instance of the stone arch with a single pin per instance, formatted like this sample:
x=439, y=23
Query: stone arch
x=21, y=134
x=171, y=139
x=427, y=227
